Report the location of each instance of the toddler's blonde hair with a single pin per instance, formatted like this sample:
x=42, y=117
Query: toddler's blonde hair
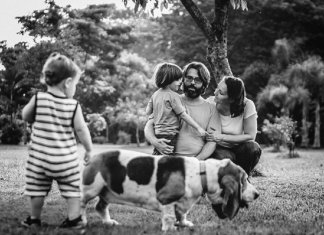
x=57, y=68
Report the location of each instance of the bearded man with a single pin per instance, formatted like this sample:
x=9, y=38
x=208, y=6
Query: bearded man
x=196, y=78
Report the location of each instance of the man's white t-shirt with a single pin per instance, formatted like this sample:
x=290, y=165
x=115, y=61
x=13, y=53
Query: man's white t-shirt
x=189, y=143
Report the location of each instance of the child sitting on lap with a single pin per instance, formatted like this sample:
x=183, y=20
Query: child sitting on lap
x=166, y=107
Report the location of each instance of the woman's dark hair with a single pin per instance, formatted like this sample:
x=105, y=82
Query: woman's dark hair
x=236, y=95
x=166, y=73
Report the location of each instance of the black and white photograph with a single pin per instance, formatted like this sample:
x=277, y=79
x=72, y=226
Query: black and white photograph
x=162, y=117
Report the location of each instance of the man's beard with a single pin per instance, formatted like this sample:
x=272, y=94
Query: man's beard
x=192, y=92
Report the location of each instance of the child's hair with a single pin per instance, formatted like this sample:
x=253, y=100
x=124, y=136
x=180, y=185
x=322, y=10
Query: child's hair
x=166, y=73
x=57, y=68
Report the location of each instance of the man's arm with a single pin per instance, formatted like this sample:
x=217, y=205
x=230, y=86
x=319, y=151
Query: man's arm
x=214, y=126
x=160, y=144
x=206, y=151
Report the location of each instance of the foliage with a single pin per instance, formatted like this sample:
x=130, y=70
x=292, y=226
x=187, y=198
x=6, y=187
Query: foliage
x=97, y=124
x=13, y=83
x=11, y=134
x=134, y=88
x=99, y=139
x=123, y=138
x=281, y=132
x=86, y=36
x=256, y=77
x=252, y=33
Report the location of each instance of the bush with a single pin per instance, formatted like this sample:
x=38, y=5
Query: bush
x=281, y=132
x=99, y=139
x=97, y=124
x=123, y=138
x=11, y=134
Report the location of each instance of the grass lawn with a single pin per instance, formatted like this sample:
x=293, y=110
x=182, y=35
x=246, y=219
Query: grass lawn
x=291, y=201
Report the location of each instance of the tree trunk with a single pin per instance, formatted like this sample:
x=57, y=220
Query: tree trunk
x=317, y=133
x=217, y=43
x=137, y=135
x=107, y=133
x=304, y=129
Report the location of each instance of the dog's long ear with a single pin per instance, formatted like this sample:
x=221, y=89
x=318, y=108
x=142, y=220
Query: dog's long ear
x=231, y=196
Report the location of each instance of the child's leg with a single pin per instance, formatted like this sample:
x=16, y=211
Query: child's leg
x=73, y=204
x=36, y=205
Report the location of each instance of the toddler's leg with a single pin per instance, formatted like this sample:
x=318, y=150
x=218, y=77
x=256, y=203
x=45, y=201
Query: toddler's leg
x=74, y=219
x=36, y=205
x=73, y=207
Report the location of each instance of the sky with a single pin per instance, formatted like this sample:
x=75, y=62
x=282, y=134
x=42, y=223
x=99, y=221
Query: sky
x=9, y=26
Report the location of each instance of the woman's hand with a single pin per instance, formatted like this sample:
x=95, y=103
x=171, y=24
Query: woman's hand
x=162, y=146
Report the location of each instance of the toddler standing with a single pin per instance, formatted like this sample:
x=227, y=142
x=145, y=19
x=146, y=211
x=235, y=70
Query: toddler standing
x=166, y=107
x=55, y=118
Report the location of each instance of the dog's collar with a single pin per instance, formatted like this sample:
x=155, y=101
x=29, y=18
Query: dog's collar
x=203, y=176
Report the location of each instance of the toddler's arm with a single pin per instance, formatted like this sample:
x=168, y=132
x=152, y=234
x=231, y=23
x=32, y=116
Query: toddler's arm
x=28, y=112
x=83, y=133
x=186, y=117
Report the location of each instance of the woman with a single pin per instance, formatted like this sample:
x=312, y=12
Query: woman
x=238, y=125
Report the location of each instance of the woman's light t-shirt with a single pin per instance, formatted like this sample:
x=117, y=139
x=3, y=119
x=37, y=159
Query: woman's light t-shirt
x=234, y=126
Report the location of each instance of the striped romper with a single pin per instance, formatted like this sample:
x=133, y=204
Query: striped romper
x=53, y=151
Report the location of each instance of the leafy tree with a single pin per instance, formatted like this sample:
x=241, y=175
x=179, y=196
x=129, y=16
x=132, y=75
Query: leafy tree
x=13, y=83
x=214, y=30
x=136, y=89
x=310, y=76
x=256, y=77
x=93, y=42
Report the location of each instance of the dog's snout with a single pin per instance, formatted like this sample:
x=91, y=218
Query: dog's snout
x=256, y=195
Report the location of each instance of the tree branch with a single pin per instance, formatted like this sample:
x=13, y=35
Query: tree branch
x=202, y=22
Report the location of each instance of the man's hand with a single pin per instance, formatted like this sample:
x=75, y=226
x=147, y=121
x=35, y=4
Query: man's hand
x=162, y=146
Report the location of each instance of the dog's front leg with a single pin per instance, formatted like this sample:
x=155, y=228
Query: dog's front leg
x=181, y=215
x=168, y=217
x=102, y=209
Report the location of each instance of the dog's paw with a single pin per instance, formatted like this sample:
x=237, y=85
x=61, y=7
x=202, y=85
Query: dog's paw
x=185, y=223
x=111, y=222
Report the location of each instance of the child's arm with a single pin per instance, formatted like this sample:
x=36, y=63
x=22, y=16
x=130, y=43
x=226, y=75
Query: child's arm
x=83, y=133
x=192, y=123
x=28, y=112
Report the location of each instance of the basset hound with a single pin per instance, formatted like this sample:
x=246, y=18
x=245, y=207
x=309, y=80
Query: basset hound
x=170, y=185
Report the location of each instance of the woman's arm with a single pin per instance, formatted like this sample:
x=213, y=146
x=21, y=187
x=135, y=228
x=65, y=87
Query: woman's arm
x=160, y=144
x=249, y=129
x=28, y=112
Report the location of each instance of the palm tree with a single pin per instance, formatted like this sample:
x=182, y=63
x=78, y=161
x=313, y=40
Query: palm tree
x=309, y=75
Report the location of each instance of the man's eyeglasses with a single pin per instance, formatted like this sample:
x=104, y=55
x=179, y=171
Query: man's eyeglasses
x=190, y=79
